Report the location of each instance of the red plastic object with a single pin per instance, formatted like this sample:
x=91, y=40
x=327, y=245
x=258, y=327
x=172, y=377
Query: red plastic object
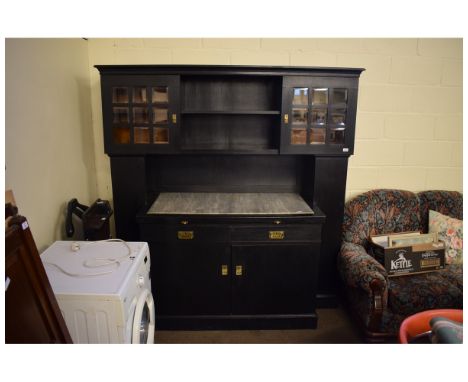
x=418, y=323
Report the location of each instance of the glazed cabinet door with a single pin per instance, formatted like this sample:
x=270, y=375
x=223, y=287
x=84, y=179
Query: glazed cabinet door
x=190, y=278
x=274, y=278
x=318, y=115
x=140, y=113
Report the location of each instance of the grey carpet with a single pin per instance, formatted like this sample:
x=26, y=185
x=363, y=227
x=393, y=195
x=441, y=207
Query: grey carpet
x=334, y=327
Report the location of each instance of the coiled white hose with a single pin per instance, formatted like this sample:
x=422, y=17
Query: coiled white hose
x=98, y=261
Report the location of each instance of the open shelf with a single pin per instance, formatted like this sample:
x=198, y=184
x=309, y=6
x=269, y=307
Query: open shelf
x=242, y=93
x=238, y=132
x=230, y=114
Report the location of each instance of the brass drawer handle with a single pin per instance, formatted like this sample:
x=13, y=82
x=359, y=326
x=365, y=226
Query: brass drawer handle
x=174, y=118
x=238, y=270
x=185, y=235
x=286, y=119
x=224, y=270
x=276, y=235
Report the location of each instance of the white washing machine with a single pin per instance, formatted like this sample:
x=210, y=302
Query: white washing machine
x=103, y=289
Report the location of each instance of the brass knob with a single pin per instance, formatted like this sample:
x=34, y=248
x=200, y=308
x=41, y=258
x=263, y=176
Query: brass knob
x=184, y=222
x=277, y=222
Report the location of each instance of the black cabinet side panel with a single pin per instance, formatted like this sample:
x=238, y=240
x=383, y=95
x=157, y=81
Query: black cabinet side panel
x=129, y=190
x=329, y=194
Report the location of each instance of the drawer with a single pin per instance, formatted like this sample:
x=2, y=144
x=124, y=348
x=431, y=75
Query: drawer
x=277, y=233
x=188, y=232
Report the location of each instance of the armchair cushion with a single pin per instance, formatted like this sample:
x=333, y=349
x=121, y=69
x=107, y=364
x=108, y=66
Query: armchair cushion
x=410, y=294
x=453, y=274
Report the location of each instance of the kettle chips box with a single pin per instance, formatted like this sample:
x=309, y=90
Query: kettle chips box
x=408, y=253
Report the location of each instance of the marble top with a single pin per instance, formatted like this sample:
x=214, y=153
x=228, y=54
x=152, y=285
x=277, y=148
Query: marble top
x=213, y=203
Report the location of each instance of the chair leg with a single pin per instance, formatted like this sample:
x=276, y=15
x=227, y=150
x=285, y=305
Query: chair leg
x=378, y=305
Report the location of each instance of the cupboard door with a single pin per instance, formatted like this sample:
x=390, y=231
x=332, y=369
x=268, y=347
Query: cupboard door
x=318, y=115
x=141, y=113
x=274, y=278
x=190, y=278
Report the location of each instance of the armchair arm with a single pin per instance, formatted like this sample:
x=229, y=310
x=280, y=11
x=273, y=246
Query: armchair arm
x=360, y=270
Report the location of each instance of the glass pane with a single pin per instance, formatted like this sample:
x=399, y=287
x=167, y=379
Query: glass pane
x=299, y=116
x=141, y=135
x=139, y=94
x=160, y=135
x=120, y=114
x=337, y=136
x=301, y=96
x=320, y=96
x=319, y=116
x=160, y=94
x=298, y=136
x=338, y=116
x=121, y=134
x=119, y=95
x=317, y=136
x=140, y=115
x=160, y=115
x=340, y=95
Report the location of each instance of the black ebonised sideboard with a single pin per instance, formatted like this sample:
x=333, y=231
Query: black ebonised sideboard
x=236, y=177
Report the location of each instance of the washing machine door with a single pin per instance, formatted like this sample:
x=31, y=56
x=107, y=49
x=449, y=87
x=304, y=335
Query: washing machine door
x=143, y=321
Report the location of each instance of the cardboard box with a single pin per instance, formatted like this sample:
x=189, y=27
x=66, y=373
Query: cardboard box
x=408, y=253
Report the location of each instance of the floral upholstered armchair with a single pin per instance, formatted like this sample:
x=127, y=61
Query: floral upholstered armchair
x=380, y=303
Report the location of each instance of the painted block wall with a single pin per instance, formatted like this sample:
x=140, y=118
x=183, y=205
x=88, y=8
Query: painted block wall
x=49, y=150
x=409, y=121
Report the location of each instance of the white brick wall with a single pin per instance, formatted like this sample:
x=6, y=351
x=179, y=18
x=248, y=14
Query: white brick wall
x=409, y=121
